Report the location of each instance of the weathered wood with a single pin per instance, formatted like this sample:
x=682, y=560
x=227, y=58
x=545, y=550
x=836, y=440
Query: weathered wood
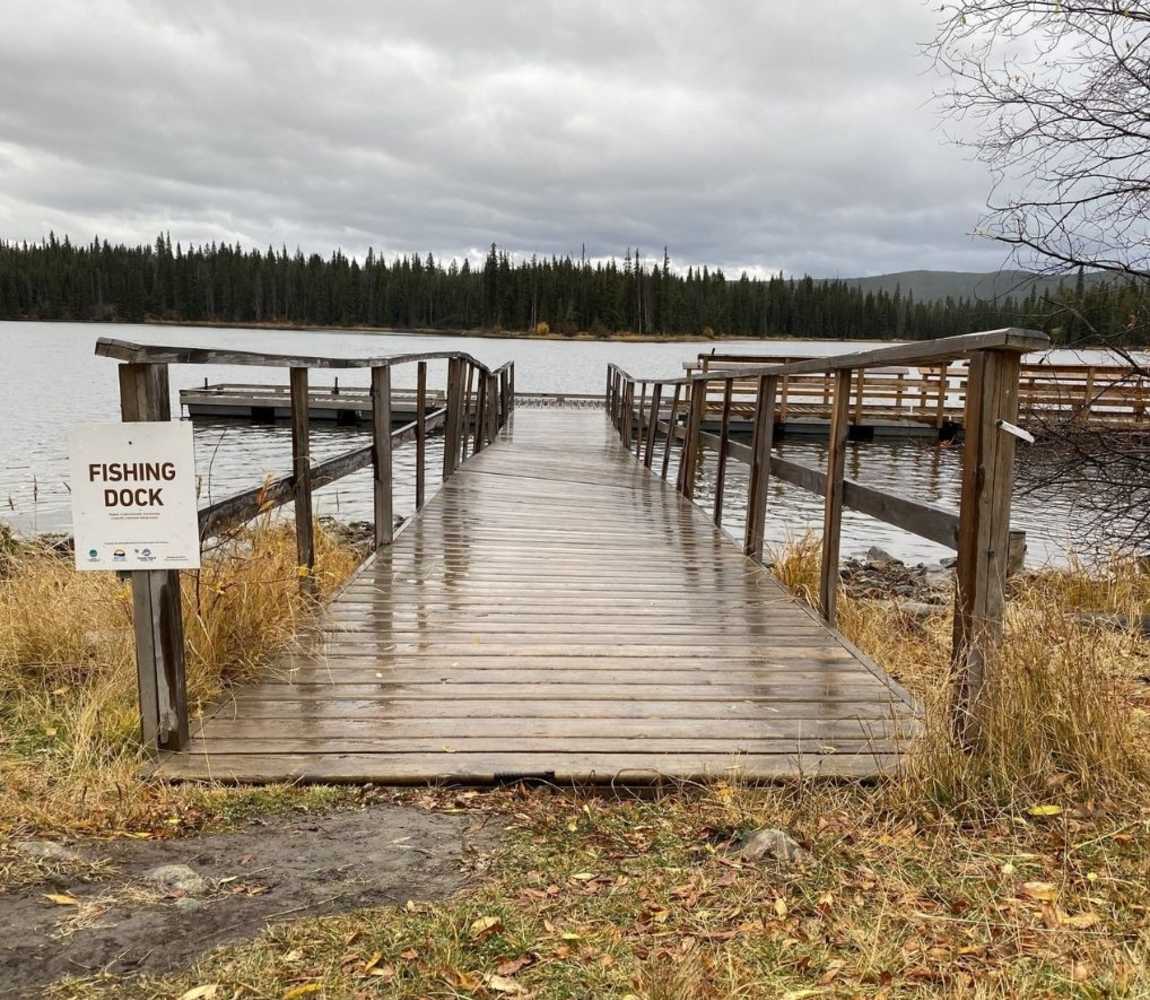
x=628, y=412
x=983, y=536
x=246, y=504
x=692, y=446
x=469, y=424
x=508, y=626
x=480, y=413
x=381, y=443
x=670, y=430
x=454, y=420
x=724, y=445
x=639, y=427
x=301, y=472
x=157, y=615
x=758, y=484
x=833, y=504
x=420, y=433
x=653, y=423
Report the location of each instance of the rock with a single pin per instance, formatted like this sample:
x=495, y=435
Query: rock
x=938, y=579
x=1118, y=623
x=178, y=878
x=949, y=562
x=918, y=610
x=48, y=850
x=188, y=905
x=771, y=843
x=881, y=557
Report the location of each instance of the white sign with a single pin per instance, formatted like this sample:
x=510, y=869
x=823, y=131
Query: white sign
x=134, y=496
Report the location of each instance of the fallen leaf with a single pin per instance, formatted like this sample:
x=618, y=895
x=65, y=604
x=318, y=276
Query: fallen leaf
x=484, y=927
x=802, y=994
x=514, y=965
x=1040, y=890
x=1081, y=921
x=1044, y=810
x=302, y=991
x=584, y=876
x=781, y=907
x=206, y=992
x=372, y=962
x=501, y=984
x=62, y=899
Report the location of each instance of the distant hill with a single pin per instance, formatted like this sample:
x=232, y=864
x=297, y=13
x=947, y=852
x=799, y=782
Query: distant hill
x=931, y=285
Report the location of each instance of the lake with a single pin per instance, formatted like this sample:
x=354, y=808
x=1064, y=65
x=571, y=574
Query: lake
x=55, y=381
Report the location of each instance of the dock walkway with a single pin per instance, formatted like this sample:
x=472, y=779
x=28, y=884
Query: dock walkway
x=556, y=611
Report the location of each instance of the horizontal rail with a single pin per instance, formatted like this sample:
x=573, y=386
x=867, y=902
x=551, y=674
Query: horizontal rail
x=243, y=506
x=162, y=354
x=927, y=352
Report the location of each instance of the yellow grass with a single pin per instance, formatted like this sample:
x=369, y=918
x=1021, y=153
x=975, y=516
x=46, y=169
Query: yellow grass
x=69, y=721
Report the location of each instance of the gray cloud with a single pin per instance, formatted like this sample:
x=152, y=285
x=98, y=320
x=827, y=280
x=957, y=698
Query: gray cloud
x=749, y=134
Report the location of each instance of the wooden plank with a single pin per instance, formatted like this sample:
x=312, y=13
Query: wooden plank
x=653, y=423
x=670, y=431
x=381, y=441
x=452, y=420
x=833, y=505
x=724, y=447
x=157, y=617
x=760, y=472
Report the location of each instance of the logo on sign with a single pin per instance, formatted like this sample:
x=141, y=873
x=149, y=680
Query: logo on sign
x=93, y=553
x=119, y=555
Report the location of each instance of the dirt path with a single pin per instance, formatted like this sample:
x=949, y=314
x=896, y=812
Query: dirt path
x=124, y=921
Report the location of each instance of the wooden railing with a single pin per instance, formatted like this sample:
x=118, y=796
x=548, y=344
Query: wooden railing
x=478, y=402
x=980, y=532
x=935, y=394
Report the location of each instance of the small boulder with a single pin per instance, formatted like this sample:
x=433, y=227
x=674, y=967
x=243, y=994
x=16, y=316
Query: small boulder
x=771, y=843
x=47, y=850
x=178, y=878
x=938, y=579
x=880, y=557
x=949, y=562
x=188, y=905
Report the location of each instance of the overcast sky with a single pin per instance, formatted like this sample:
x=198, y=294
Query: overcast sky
x=778, y=134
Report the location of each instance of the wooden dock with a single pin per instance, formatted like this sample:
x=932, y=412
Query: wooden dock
x=558, y=612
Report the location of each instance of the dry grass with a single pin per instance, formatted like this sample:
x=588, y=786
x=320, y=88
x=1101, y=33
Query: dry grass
x=1064, y=712
x=69, y=737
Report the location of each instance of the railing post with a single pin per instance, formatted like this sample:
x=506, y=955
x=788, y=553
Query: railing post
x=420, y=432
x=833, y=505
x=492, y=408
x=653, y=425
x=466, y=414
x=452, y=419
x=157, y=614
x=694, y=440
x=504, y=402
x=761, y=442
x=628, y=404
x=639, y=428
x=381, y=440
x=480, y=411
x=301, y=471
x=671, y=430
x=724, y=446
x=983, y=530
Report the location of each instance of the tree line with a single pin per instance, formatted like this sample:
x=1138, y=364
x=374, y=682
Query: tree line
x=219, y=283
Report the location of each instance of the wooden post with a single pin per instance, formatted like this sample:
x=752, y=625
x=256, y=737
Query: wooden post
x=671, y=430
x=694, y=440
x=420, y=432
x=983, y=530
x=504, y=402
x=301, y=471
x=833, y=506
x=480, y=411
x=452, y=418
x=860, y=392
x=639, y=427
x=724, y=445
x=492, y=408
x=760, y=474
x=381, y=441
x=157, y=615
x=628, y=403
x=466, y=412
x=653, y=424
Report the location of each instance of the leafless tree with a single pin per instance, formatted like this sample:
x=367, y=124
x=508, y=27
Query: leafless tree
x=1054, y=97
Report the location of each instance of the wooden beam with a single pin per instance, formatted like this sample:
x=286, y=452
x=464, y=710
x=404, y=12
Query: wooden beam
x=983, y=535
x=157, y=614
x=692, y=447
x=757, y=488
x=833, y=504
x=653, y=423
x=453, y=420
x=420, y=433
x=639, y=427
x=724, y=447
x=381, y=443
x=301, y=473
x=670, y=430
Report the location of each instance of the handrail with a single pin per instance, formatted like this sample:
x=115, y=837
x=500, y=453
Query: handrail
x=983, y=534
x=157, y=616
x=165, y=354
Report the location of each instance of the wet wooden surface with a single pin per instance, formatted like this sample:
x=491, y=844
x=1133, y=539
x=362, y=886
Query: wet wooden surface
x=557, y=611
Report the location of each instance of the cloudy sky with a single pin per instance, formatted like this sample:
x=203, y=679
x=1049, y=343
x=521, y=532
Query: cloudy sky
x=778, y=134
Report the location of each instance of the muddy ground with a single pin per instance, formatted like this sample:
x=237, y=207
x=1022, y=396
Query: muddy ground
x=110, y=915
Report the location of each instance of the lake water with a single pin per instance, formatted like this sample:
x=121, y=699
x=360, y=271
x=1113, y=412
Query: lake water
x=53, y=381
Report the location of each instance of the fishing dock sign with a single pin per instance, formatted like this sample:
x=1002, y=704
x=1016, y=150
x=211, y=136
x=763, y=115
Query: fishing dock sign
x=134, y=496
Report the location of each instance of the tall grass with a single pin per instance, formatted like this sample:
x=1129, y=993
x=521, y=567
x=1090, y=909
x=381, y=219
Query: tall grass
x=68, y=714
x=1061, y=712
